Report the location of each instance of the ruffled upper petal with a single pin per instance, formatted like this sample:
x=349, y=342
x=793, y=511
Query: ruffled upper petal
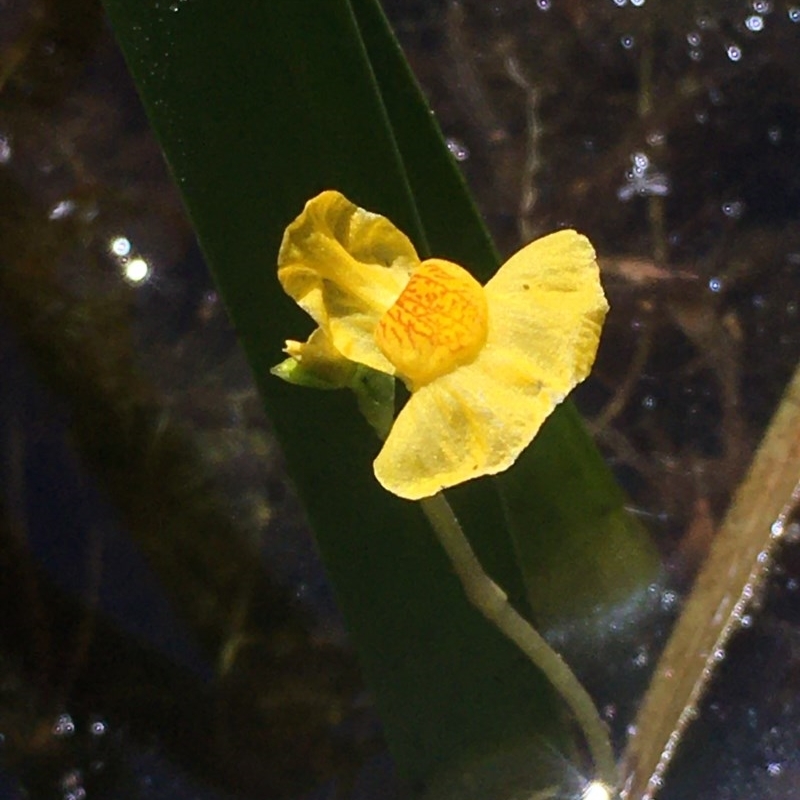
x=346, y=266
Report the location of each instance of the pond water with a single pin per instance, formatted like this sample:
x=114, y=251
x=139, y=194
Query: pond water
x=668, y=133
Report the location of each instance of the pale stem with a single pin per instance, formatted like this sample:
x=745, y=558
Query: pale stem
x=492, y=601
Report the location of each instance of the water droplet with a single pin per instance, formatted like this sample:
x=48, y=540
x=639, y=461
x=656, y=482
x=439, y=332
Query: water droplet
x=719, y=655
x=457, y=148
x=754, y=23
x=733, y=209
x=627, y=41
x=777, y=530
x=734, y=52
x=746, y=621
x=715, y=284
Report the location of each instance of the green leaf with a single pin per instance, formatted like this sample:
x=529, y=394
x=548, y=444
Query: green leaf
x=587, y=563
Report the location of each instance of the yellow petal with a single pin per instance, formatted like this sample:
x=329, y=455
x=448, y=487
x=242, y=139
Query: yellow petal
x=461, y=426
x=439, y=322
x=345, y=266
x=547, y=307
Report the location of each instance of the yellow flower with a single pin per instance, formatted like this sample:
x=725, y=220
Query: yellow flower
x=485, y=365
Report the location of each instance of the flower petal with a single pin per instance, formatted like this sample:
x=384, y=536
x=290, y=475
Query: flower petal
x=345, y=266
x=461, y=426
x=547, y=308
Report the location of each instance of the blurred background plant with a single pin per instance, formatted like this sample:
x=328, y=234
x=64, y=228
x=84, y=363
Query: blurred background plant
x=144, y=649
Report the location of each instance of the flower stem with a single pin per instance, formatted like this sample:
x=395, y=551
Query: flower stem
x=493, y=602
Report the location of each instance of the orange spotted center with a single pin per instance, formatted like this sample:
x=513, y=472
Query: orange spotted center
x=438, y=323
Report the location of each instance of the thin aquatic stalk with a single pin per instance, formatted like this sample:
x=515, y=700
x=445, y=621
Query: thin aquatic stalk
x=493, y=602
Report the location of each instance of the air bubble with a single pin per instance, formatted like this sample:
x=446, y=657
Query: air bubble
x=734, y=52
x=63, y=726
x=62, y=209
x=754, y=23
x=793, y=13
x=762, y=6
x=627, y=41
x=668, y=600
x=120, y=246
x=693, y=38
x=774, y=134
x=733, y=209
x=715, y=284
x=543, y=5
x=458, y=149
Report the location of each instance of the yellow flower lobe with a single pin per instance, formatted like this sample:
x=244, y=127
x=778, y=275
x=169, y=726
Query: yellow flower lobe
x=439, y=322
